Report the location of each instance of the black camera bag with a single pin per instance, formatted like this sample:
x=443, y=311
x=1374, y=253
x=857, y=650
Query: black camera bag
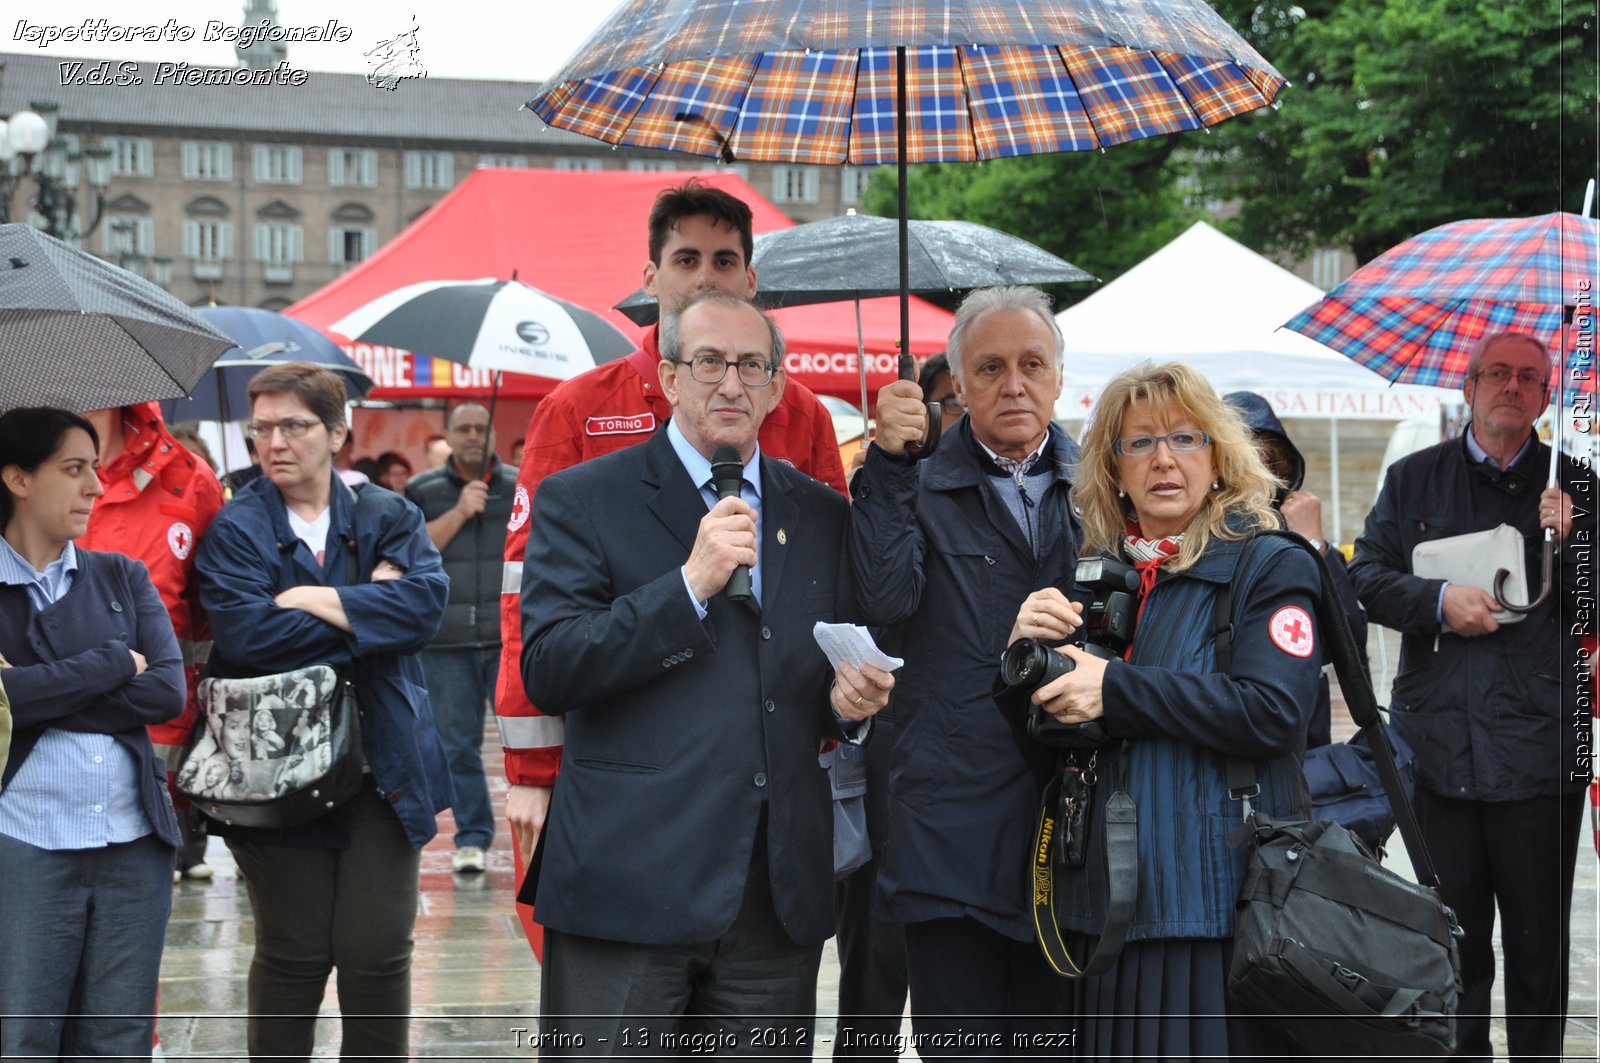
x=1348, y=957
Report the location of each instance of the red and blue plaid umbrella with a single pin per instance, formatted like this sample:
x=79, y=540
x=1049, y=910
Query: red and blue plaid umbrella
x=805, y=81
x=1413, y=313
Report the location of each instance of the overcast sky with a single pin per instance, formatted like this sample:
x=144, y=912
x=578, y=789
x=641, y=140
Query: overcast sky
x=511, y=40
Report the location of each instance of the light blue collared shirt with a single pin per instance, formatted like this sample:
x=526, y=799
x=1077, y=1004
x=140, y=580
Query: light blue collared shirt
x=698, y=466
x=76, y=790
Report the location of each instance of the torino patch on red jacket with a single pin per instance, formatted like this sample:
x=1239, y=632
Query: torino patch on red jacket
x=159, y=499
x=610, y=407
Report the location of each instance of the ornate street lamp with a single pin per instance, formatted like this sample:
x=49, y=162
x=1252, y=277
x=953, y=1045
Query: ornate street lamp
x=154, y=268
x=29, y=147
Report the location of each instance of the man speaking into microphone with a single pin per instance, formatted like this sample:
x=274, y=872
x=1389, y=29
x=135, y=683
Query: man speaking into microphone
x=685, y=874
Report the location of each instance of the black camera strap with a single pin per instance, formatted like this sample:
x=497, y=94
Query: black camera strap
x=1354, y=682
x=1120, y=831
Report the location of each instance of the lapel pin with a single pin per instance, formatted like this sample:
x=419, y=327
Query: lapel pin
x=783, y=537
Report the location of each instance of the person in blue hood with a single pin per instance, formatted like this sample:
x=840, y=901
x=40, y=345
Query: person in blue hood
x=1302, y=513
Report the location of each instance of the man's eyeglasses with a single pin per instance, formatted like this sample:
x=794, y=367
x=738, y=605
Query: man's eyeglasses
x=1498, y=375
x=710, y=369
x=1177, y=442
x=949, y=404
x=292, y=428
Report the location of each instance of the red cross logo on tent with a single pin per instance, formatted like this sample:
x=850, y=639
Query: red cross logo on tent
x=1290, y=629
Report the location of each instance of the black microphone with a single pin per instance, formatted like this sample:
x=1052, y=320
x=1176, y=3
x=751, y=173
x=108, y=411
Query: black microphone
x=727, y=476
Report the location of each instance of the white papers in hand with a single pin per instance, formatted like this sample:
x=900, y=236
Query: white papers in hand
x=852, y=644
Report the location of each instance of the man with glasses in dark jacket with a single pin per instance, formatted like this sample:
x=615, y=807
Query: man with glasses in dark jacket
x=1496, y=710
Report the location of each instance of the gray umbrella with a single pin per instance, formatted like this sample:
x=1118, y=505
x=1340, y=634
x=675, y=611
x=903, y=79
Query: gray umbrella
x=78, y=332
x=857, y=257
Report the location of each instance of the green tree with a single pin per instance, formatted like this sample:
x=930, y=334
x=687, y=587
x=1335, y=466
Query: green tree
x=1405, y=114
x=1101, y=211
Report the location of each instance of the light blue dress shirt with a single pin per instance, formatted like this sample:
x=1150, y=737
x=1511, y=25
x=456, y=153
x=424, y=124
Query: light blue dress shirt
x=76, y=790
x=698, y=466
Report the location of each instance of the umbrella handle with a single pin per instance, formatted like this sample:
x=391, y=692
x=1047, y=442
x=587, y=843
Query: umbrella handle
x=1546, y=570
x=930, y=440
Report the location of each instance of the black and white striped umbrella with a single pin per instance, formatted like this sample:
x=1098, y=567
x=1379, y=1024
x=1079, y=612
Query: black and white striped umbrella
x=489, y=324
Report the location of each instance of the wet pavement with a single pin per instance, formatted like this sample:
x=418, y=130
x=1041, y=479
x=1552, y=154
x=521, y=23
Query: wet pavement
x=475, y=983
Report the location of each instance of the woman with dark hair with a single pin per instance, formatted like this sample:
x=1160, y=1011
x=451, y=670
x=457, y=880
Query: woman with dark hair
x=301, y=569
x=1171, y=483
x=393, y=471
x=87, y=832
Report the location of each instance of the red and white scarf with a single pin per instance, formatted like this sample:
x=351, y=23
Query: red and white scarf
x=1147, y=556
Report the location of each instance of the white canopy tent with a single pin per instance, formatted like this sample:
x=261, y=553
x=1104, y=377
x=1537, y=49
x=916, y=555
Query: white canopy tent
x=1209, y=301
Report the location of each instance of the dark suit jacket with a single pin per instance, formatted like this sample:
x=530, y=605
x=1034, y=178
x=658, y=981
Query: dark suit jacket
x=72, y=670
x=678, y=730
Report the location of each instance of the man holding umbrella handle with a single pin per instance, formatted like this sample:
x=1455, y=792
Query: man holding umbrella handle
x=928, y=440
x=1489, y=706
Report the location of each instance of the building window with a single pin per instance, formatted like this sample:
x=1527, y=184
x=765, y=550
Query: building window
x=350, y=244
x=1327, y=269
x=430, y=169
x=353, y=166
x=279, y=245
x=737, y=168
x=276, y=164
x=515, y=162
x=853, y=185
x=124, y=235
x=207, y=160
x=569, y=163
x=795, y=184
x=650, y=166
x=130, y=156
x=208, y=241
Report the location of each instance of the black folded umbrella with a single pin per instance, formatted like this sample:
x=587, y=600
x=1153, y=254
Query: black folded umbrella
x=78, y=332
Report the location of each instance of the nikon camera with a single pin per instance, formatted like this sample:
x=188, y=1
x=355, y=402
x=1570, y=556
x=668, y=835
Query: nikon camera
x=1029, y=664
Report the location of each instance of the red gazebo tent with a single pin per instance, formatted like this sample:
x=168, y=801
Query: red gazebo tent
x=581, y=236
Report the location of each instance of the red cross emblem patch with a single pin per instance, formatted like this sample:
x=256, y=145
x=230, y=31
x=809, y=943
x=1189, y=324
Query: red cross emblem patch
x=180, y=540
x=1290, y=629
x=521, y=508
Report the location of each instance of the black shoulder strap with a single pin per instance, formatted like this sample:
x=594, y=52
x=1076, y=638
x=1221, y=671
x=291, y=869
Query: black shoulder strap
x=1356, y=686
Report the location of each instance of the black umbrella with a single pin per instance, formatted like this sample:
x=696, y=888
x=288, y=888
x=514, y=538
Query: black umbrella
x=78, y=332
x=264, y=338
x=857, y=257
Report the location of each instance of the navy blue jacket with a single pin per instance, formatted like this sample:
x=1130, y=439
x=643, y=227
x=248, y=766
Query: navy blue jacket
x=249, y=555
x=939, y=559
x=1499, y=717
x=1185, y=719
x=72, y=670
x=680, y=732
x=1260, y=419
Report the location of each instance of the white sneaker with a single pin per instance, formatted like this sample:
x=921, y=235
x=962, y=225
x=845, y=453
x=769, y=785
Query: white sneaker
x=177, y=876
x=201, y=871
x=469, y=858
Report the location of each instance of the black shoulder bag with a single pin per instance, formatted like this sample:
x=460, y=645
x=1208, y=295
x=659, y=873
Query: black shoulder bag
x=1348, y=957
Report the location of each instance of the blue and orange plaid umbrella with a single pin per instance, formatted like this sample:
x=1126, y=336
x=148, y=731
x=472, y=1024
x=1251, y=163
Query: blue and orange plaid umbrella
x=1413, y=313
x=804, y=81
x=830, y=82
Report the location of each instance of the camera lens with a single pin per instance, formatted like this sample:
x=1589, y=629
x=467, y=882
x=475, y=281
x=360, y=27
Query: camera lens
x=1030, y=664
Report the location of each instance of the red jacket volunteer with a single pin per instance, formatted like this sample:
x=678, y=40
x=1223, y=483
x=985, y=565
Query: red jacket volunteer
x=159, y=499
